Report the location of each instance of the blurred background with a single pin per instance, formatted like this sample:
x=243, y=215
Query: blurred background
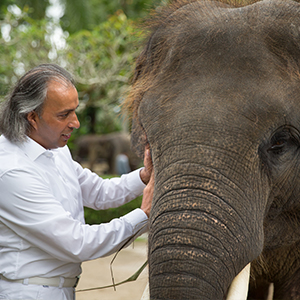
x=97, y=41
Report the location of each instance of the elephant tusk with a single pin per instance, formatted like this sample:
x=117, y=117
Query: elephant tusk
x=239, y=287
x=271, y=291
x=146, y=294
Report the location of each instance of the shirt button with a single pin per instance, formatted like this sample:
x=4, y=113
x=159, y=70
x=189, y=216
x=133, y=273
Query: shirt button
x=48, y=154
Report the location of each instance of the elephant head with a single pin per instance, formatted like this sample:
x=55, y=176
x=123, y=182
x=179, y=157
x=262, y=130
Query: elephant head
x=216, y=94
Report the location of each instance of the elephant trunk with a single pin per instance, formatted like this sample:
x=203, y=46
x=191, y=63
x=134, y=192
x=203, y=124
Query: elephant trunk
x=202, y=231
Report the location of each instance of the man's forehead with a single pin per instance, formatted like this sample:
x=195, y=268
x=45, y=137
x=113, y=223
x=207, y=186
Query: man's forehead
x=61, y=96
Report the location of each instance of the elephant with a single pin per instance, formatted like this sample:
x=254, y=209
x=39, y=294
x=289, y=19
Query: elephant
x=107, y=147
x=216, y=95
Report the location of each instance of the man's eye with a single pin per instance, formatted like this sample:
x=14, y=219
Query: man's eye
x=64, y=115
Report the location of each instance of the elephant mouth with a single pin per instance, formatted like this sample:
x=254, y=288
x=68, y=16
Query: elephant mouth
x=238, y=289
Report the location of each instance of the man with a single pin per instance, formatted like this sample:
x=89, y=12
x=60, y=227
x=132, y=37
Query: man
x=43, y=236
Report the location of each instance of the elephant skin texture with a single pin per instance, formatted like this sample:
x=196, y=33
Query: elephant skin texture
x=216, y=95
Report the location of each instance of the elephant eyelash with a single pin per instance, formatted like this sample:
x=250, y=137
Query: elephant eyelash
x=277, y=147
x=286, y=136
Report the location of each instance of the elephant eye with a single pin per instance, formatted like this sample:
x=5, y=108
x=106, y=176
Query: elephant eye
x=284, y=139
x=277, y=147
x=279, y=150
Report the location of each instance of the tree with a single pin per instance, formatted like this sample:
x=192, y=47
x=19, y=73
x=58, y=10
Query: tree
x=79, y=15
x=23, y=45
x=101, y=61
x=89, y=14
x=36, y=9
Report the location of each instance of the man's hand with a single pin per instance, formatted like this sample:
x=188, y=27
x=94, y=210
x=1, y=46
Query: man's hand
x=147, y=176
x=148, y=195
x=145, y=173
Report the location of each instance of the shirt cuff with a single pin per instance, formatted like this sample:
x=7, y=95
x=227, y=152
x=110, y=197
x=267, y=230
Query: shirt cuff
x=135, y=182
x=138, y=220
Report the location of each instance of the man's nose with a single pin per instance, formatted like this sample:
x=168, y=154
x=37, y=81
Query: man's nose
x=74, y=123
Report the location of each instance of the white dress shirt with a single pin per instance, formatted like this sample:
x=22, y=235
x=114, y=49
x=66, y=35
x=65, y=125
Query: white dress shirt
x=42, y=228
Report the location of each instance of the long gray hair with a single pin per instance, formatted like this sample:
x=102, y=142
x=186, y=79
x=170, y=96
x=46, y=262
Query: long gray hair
x=28, y=95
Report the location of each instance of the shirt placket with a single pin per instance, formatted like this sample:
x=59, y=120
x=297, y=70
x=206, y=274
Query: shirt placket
x=58, y=181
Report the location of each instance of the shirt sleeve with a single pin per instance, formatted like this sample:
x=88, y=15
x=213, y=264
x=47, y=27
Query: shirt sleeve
x=30, y=210
x=99, y=193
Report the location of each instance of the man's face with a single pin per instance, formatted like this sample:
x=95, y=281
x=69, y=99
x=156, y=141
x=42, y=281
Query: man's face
x=58, y=119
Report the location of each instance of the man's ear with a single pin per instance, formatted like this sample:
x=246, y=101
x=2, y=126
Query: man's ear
x=32, y=117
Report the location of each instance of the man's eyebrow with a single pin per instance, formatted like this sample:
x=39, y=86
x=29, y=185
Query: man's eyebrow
x=68, y=110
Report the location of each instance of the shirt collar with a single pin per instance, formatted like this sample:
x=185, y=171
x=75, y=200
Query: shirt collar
x=33, y=150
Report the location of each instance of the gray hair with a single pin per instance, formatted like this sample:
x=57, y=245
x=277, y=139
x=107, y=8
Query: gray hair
x=28, y=95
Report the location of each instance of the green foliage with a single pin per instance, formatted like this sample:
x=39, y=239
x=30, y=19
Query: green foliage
x=36, y=8
x=89, y=14
x=101, y=61
x=78, y=15
x=24, y=46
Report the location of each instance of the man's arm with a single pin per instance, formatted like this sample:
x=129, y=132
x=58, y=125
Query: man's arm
x=31, y=212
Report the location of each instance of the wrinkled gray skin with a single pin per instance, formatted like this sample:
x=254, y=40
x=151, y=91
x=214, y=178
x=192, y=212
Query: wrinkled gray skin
x=217, y=95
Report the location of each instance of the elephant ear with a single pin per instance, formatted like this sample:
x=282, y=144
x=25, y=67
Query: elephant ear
x=132, y=103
